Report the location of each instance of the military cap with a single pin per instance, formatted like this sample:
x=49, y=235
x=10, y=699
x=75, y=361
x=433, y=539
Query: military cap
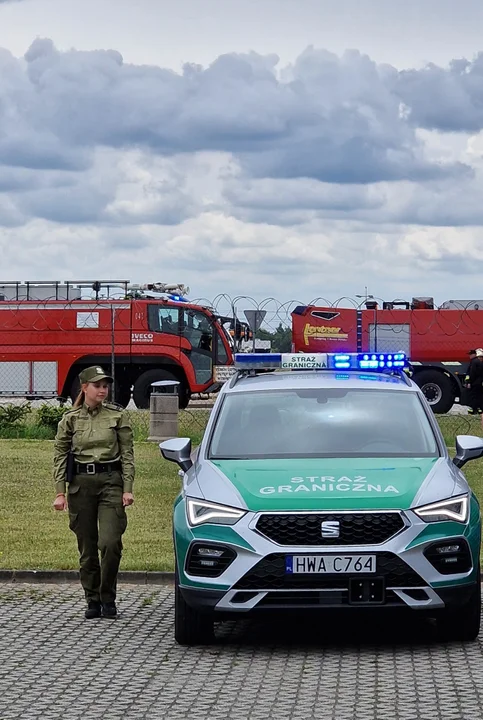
x=94, y=374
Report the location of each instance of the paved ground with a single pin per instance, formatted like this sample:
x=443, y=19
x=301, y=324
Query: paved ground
x=55, y=664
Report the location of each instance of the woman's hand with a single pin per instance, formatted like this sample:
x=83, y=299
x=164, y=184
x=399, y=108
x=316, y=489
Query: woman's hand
x=60, y=502
x=127, y=499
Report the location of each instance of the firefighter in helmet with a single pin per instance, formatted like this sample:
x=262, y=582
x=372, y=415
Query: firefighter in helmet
x=474, y=381
x=93, y=453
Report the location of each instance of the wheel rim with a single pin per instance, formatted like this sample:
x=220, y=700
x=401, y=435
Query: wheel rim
x=432, y=392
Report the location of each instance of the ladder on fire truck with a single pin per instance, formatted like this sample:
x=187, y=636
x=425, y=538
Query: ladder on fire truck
x=72, y=289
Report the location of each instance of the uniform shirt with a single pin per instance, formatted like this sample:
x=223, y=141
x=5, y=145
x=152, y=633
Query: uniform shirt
x=99, y=435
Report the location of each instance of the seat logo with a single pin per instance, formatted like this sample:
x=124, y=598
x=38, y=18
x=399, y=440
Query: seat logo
x=330, y=529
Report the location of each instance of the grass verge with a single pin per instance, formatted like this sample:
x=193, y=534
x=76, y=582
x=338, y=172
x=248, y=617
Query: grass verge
x=35, y=537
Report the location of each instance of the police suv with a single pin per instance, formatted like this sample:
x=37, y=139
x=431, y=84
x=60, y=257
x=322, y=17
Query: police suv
x=323, y=481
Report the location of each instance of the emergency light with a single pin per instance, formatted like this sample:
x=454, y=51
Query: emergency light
x=321, y=361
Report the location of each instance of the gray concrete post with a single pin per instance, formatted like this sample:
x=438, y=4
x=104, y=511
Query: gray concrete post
x=163, y=411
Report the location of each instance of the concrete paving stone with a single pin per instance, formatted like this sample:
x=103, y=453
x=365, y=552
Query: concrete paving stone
x=131, y=668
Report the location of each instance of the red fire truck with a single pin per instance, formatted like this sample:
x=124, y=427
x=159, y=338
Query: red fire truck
x=49, y=331
x=436, y=339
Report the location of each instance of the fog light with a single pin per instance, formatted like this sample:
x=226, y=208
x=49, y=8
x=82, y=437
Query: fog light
x=448, y=549
x=449, y=557
x=208, y=560
x=209, y=552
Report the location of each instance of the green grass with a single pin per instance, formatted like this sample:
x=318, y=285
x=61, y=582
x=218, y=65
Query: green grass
x=452, y=425
x=34, y=536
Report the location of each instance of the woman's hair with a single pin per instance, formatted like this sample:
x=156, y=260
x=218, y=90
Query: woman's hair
x=79, y=399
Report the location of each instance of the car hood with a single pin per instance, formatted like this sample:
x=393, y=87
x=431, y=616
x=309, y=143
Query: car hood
x=315, y=484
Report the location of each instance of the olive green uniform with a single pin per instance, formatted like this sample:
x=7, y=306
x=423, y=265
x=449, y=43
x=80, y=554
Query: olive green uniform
x=97, y=437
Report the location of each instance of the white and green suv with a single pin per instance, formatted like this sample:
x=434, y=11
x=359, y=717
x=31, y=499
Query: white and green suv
x=324, y=482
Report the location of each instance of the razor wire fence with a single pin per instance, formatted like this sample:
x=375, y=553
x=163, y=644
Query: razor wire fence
x=23, y=321
x=26, y=324
x=31, y=401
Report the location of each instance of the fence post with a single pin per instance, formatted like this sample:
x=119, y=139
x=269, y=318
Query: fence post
x=163, y=411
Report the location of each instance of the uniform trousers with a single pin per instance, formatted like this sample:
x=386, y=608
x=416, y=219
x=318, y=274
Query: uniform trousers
x=476, y=396
x=98, y=519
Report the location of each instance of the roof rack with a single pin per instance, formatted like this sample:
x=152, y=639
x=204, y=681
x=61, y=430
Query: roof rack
x=57, y=289
x=71, y=289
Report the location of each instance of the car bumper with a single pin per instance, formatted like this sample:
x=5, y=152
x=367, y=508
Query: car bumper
x=243, y=602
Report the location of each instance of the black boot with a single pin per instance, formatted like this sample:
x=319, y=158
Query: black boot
x=109, y=610
x=93, y=609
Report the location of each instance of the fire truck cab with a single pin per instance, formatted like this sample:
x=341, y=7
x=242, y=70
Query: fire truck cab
x=436, y=340
x=49, y=331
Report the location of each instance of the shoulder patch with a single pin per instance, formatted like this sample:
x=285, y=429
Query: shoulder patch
x=113, y=406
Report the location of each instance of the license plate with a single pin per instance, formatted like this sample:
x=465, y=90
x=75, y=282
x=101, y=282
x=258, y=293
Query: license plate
x=330, y=564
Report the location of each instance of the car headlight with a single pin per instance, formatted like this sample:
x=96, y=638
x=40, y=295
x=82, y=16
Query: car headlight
x=202, y=511
x=452, y=509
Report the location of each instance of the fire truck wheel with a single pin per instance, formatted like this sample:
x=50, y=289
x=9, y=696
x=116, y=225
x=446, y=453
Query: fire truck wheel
x=142, y=387
x=437, y=389
x=123, y=394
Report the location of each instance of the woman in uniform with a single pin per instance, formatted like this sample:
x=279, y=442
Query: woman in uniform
x=100, y=484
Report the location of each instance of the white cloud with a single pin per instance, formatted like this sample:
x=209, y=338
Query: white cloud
x=325, y=117
x=244, y=177
x=215, y=254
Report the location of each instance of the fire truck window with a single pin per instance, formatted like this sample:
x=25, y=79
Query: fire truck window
x=166, y=320
x=221, y=355
x=198, y=330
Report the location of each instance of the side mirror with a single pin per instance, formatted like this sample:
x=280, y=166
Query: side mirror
x=177, y=450
x=468, y=447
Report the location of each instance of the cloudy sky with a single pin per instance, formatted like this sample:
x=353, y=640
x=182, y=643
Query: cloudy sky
x=274, y=148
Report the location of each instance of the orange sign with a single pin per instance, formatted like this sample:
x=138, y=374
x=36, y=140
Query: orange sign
x=323, y=332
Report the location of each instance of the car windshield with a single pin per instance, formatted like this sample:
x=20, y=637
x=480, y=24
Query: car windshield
x=322, y=423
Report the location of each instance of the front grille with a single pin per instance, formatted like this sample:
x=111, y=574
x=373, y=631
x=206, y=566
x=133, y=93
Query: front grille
x=269, y=574
x=354, y=528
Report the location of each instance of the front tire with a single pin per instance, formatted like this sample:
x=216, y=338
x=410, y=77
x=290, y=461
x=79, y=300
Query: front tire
x=463, y=623
x=190, y=626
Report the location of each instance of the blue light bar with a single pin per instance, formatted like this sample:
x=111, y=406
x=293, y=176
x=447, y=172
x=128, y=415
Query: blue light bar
x=321, y=361
x=374, y=361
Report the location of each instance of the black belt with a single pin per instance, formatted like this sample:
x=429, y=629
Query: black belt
x=94, y=468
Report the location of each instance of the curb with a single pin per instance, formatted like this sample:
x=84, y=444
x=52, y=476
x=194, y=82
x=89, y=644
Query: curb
x=135, y=577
